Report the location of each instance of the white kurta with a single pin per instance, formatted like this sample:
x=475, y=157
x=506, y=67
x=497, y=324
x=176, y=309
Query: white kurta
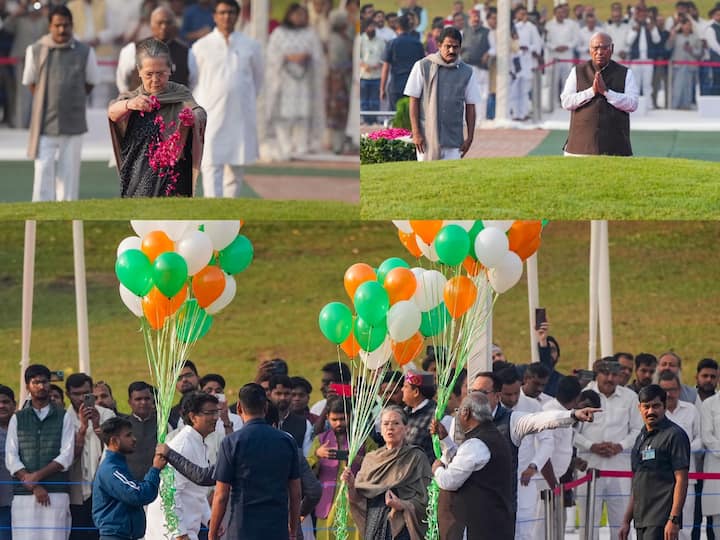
x=191, y=504
x=226, y=78
x=710, y=424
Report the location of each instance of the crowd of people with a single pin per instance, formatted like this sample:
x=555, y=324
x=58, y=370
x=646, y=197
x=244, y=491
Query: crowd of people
x=57, y=58
x=269, y=465
x=550, y=43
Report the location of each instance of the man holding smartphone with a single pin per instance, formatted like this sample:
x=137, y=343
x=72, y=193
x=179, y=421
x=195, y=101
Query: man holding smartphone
x=86, y=417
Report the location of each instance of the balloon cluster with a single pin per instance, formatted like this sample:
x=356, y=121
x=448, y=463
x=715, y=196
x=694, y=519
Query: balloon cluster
x=181, y=267
x=497, y=247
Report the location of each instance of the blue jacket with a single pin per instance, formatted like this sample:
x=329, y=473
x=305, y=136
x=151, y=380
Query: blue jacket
x=118, y=500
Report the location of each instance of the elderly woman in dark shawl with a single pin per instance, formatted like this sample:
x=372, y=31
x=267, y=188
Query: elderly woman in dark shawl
x=157, y=130
x=388, y=497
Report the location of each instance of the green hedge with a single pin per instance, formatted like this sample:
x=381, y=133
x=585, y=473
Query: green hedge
x=385, y=150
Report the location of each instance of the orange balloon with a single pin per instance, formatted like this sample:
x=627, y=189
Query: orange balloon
x=408, y=240
x=350, y=346
x=155, y=243
x=400, y=284
x=472, y=267
x=356, y=275
x=207, y=285
x=459, y=295
x=405, y=351
x=524, y=237
x=427, y=229
x=157, y=307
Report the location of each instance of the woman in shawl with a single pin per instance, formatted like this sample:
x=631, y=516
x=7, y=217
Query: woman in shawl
x=157, y=130
x=388, y=497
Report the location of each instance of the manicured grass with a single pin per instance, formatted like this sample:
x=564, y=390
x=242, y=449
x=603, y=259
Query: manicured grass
x=555, y=187
x=664, y=286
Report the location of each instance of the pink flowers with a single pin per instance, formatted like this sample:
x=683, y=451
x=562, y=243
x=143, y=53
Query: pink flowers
x=154, y=103
x=163, y=154
x=389, y=133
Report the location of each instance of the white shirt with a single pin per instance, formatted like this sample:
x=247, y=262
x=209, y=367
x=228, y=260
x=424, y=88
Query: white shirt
x=215, y=439
x=538, y=447
x=191, y=504
x=226, y=77
x=472, y=455
x=561, y=34
x=687, y=417
x=126, y=65
x=583, y=41
x=67, y=443
x=528, y=36
x=386, y=33
x=619, y=422
x=318, y=407
x=563, y=442
x=618, y=32
x=571, y=99
x=371, y=51
x=31, y=76
x=416, y=83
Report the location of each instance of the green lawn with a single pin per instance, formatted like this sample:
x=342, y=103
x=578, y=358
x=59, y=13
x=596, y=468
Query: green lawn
x=556, y=187
x=664, y=285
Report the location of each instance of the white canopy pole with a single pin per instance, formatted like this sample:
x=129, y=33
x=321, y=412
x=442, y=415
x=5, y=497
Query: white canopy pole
x=27, y=303
x=502, y=86
x=81, y=297
x=533, y=302
x=604, y=301
x=480, y=358
x=593, y=315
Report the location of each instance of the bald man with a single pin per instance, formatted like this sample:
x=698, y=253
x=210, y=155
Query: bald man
x=163, y=27
x=600, y=94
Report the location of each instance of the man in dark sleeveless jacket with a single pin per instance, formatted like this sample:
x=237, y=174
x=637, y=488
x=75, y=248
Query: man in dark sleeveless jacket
x=442, y=89
x=39, y=451
x=294, y=424
x=477, y=477
x=600, y=94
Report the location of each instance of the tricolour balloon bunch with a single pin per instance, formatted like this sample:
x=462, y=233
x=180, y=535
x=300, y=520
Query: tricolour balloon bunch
x=471, y=263
x=174, y=276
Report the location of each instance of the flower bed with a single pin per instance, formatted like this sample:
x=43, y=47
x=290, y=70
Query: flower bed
x=391, y=144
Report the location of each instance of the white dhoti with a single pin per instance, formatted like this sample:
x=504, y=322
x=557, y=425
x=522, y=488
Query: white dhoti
x=222, y=180
x=32, y=521
x=445, y=153
x=526, y=517
x=57, y=168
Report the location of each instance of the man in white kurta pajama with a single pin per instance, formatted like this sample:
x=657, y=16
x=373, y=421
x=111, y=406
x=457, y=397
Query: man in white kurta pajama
x=226, y=72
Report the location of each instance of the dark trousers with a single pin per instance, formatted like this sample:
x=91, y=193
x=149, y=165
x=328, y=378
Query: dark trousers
x=490, y=107
x=83, y=527
x=393, y=99
x=369, y=98
x=5, y=523
x=650, y=533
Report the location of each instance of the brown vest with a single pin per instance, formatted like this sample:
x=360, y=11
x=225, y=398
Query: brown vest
x=484, y=503
x=598, y=128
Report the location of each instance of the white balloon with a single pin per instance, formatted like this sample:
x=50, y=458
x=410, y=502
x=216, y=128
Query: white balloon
x=131, y=301
x=491, y=245
x=403, y=320
x=222, y=233
x=403, y=225
x=503, y=225
x=131, y=242
x=225, y=298
x=144, y=226
x=464, y=223
x=378, y=357
x=429, y=292
x=427, y=249
x=417, y=272
x=174, y=228
x=506, y=274
x=197, y=249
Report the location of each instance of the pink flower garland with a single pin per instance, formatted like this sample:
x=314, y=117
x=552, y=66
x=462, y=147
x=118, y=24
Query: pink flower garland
x=390, y=133
x=163, y=154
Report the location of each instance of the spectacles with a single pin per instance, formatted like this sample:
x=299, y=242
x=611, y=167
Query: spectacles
x=149, y=75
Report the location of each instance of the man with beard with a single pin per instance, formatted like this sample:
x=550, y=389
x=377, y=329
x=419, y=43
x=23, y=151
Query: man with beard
x=660, y=462
x=143, y=421
x=187, y=382
x=437, y=126
x=706, y=379
x=600, y=94
x=672, y=362
x=38, y=452
x=627, y=364
x=294, y=424
x=549, y=352
x=645, y=366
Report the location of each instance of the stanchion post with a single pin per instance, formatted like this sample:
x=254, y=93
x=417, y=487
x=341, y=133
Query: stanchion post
x=590, y=507
x=546, y=495
x=669, y=92
x=537, y=96
x=559, y=510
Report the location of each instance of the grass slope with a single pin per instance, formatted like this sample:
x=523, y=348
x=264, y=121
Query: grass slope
x=664, y=288
x=554, y=187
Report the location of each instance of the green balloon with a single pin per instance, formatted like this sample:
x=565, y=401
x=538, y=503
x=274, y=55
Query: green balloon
x=452, y=244
x=237, y=256
x=169, y=273
x=371, y=302
x=134, y=271
x=473, y=235
x=335, y=322
x=387, y=265
x=368, y=336
x=433, y=322
x=192, y=322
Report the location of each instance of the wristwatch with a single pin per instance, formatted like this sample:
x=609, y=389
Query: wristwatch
x=533, y=466
x=675, y=520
